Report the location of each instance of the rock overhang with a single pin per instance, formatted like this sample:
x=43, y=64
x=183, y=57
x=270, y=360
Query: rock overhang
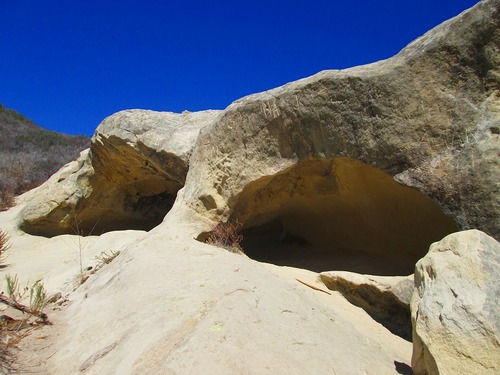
x=339, y=213
x=129, y=178
x=407, y=116
x=418, y=116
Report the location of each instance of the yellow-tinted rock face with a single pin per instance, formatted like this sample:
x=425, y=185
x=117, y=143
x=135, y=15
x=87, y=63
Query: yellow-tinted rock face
x=428, y=117
x=336, y=210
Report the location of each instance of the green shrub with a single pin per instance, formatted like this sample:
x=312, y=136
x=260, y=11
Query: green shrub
x=13, y=330
x=38, y=298
x=15, y=295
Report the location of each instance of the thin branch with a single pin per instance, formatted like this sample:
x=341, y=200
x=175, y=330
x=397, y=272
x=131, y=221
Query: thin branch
x=19, y=306
x=313, y=287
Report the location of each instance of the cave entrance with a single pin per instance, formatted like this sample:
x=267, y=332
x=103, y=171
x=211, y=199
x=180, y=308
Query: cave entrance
x=338, y=214
x=138, y=205
x=117, y=185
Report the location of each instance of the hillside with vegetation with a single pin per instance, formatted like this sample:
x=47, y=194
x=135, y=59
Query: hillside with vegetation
x=29, y=154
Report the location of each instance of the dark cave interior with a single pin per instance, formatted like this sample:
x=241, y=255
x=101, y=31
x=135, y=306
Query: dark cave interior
x=338, y=214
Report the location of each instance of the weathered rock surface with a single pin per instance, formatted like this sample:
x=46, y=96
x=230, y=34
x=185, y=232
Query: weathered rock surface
x=52, y=204
x=169, y=304
x=386, y=299
x=455, y=309
x=59, y=261
x=137, y=162
x=309, y=169
x=429, y=117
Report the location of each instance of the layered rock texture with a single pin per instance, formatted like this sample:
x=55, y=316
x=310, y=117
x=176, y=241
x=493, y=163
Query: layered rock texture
x=358, y=170
x=429, y=117
x=137, y=162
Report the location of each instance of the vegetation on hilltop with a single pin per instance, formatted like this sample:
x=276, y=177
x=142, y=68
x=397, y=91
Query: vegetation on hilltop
x=29, y=154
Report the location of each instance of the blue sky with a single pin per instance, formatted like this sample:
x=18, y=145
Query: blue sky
x=68, y=64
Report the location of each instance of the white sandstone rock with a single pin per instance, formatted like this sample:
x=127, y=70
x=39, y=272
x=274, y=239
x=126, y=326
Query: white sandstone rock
x=455, y=310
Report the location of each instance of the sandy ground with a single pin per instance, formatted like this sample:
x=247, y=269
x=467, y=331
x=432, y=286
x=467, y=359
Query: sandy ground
x=41, y=342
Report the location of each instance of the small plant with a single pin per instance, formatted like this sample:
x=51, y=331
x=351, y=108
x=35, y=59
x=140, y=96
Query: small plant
x=12, y=331
x=4, y=246
x=80, y=246
x=37, y=300
x=105, y=258
x=226, y=235
x=80, y=243
x=13, y=291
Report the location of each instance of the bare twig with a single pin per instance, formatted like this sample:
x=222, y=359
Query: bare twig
x=313, y=287
x=19, y=306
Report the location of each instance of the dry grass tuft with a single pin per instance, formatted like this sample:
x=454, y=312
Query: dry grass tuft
x=107, y=258
x=6, y=200
x=227, y=235
x=12, y=331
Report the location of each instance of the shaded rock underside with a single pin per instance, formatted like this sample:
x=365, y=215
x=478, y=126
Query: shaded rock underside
x=338, y=214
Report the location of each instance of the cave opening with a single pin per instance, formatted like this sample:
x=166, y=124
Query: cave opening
x=117, y=186
x=138, y=205
x=143, y=212
x=338, y=214
x=136, y=193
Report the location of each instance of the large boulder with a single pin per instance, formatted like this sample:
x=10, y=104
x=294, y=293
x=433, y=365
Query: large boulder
x=455, y=313
x=137, y=162
x=428, y=118
x=50, y=206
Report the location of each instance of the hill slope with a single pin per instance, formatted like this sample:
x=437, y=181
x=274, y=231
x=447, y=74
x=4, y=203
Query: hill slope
x=30, y=154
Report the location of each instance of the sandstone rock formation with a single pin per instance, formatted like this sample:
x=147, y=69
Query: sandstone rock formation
x=137, y=162
x=169, y=304
x=338, y=214
x=357, y=170
x=428, y=117
x=455, y=311
x=324, y=151
x=53, y=204
x=386, y=299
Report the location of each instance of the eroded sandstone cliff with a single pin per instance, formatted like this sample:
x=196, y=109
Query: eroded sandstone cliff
x=357, y=170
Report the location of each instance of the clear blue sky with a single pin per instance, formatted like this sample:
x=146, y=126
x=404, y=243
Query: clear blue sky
x=68, y=64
